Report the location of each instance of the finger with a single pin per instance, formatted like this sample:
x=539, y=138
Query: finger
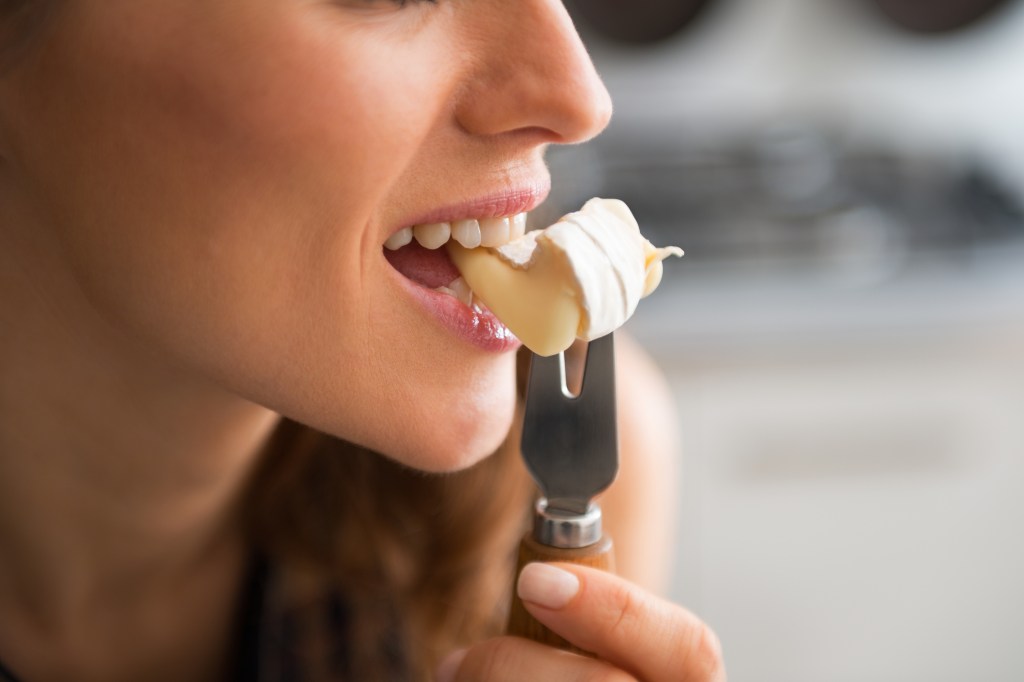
x=512, y=659
x=651, y=638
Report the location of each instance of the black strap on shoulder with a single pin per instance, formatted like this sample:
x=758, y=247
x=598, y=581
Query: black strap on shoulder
x=6, y=675
x=250, y=620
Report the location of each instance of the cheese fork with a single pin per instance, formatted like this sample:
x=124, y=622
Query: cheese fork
x=570, y=447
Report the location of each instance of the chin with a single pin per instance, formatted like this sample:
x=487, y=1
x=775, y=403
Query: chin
x=437, y=416
x=475, y=427
x=451, y=449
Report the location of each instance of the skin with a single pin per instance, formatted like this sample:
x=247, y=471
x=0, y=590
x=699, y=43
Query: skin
x=190, y=246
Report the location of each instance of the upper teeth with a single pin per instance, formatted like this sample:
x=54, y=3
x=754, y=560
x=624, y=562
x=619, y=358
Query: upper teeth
x=469, y=233
x=432, y=236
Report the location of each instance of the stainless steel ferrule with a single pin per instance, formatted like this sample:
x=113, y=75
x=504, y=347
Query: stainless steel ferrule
x=566, y=530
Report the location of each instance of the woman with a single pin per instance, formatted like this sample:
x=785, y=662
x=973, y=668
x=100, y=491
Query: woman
x=194, y=199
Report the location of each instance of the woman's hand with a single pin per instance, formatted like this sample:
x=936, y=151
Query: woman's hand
x=635, y=635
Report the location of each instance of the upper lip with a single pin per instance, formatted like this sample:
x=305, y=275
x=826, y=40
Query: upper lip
x=505, y=202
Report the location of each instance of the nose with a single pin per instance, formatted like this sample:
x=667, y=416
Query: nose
x=530, y=72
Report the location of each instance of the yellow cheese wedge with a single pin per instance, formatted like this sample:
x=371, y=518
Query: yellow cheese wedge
x=579, y=278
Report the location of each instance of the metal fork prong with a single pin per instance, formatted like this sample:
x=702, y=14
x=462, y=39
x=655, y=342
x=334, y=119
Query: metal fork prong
x=569, y=444
x=547, y=375
x=598, y=369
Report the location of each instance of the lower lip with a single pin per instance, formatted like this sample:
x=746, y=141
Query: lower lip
x=477, y=327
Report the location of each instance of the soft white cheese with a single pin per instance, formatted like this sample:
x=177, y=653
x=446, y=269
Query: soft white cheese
x=579, y=278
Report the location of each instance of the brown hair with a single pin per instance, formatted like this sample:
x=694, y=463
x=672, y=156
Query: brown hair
x=422, y=562
x=20, y=23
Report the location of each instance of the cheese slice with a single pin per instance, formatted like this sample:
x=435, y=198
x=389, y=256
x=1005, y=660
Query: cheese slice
x=579, y=278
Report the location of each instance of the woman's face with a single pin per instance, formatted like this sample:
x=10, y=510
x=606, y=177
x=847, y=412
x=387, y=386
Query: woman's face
x=222, y=175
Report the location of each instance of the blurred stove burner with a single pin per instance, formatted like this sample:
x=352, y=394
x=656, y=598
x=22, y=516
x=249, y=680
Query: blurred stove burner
x=640, y=21
x=794, y=194
x=937, y=16
x=650, y=21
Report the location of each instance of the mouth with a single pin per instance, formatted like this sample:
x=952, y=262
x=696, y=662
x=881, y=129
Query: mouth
x=419, y=255
x=418, y=252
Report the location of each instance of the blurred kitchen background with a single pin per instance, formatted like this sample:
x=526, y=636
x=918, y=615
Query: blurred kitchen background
x=845, y=336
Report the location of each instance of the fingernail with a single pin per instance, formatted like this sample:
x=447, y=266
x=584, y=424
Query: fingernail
x=547, y=586
x=450, y=666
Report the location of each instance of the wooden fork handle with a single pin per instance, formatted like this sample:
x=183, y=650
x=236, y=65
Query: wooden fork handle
x=520, y=622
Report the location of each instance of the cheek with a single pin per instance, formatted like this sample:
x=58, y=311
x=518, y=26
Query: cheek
x=218, y=175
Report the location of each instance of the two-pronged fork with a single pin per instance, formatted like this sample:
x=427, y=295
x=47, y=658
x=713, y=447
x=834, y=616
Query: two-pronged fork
x=570, y=447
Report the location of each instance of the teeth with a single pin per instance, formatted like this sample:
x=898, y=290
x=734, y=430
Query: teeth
x=489, y=232
x=494, y=231
x=432, y=236
x=399, y=239
x=467, y=233
x=462, y=291
x=518, y=227
x=459, y=289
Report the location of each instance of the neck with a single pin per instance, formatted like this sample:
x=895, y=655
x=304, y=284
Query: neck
x=120, y=479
